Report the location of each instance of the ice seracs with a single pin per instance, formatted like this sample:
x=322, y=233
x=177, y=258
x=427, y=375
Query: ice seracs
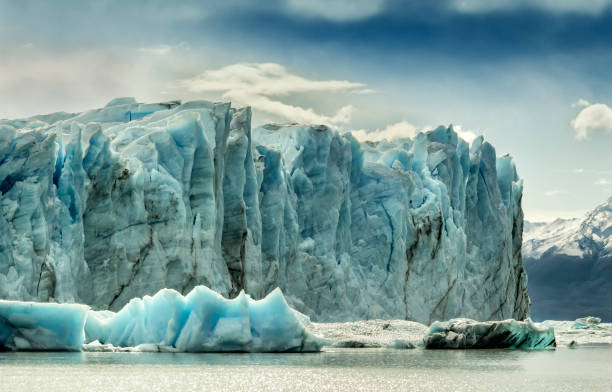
x=120, y=202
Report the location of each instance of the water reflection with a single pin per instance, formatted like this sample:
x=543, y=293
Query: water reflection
x=417, y=358
x=335, y=370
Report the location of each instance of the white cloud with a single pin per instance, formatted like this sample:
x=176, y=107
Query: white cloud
x=365, y=91
x=337, y=10
x=590, y=7
x=467, y=135
x=535, y=215
x=603, y=182
x=163, y=50
x=404, y=129
x=596, y=117
x=262, y=79
x=261, y=84
x=554, y=192
x=578, y=171
x=395, y=131
x=581, y=103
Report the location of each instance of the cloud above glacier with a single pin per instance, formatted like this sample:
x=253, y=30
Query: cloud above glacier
x=591, y=119
x=262, y=85
x=395, y=131
x=405, y=129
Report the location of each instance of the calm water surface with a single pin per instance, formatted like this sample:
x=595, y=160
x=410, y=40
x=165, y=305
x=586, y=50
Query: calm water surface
x=587, y=369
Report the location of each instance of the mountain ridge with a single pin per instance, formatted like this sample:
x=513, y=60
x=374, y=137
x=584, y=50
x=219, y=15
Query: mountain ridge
x=569, y=264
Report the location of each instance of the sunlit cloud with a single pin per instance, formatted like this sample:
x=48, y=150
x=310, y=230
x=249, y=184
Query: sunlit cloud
x=262, y=85
x=592, y=118
x=466, y=134
x=405, y=129
x=395, y=131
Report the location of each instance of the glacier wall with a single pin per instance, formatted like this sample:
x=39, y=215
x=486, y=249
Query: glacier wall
x=120, y=202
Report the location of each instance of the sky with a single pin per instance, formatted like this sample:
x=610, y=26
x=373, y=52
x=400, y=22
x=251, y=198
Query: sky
x=533, y=77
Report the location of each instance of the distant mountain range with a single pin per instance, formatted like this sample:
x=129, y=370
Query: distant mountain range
x=569, y=266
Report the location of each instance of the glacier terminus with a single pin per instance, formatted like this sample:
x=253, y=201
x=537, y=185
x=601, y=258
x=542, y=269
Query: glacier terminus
x=120, y=202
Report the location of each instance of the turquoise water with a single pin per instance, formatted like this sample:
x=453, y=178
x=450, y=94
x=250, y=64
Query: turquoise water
x=332, y=370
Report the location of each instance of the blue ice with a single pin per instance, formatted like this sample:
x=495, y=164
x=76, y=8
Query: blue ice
x=201, y=321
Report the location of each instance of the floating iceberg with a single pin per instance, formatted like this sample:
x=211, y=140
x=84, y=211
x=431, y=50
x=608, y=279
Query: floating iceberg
x=587, y=322
x=202, y=321
x=465, y=333
x=41, y=326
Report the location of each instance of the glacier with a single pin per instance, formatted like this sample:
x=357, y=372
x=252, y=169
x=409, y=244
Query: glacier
x=201, y=321
x=120, y=202
x=464, y=333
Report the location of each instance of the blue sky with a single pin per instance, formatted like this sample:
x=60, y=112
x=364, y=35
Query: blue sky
x=532, y=76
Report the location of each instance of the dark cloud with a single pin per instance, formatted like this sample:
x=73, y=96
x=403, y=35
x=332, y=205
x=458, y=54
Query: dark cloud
x=393, y=25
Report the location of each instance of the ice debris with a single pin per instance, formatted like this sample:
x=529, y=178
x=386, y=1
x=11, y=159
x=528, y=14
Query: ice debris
x=202, y=321
x=398, y=334
x=583, y=332
x=464, y=333
x=586, y=322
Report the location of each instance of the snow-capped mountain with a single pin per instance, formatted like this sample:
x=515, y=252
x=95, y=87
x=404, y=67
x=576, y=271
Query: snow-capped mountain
x=569, y=264
x=119, y=202
x=590, y=236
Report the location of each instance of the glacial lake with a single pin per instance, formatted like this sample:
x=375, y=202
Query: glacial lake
x=585, y=368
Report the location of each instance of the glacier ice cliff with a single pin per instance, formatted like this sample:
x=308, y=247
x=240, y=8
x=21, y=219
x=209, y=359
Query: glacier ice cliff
x=201, y=321
x=119, y=202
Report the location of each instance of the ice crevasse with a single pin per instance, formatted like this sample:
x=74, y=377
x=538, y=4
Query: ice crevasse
x=120, y=202
x=202, y=321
